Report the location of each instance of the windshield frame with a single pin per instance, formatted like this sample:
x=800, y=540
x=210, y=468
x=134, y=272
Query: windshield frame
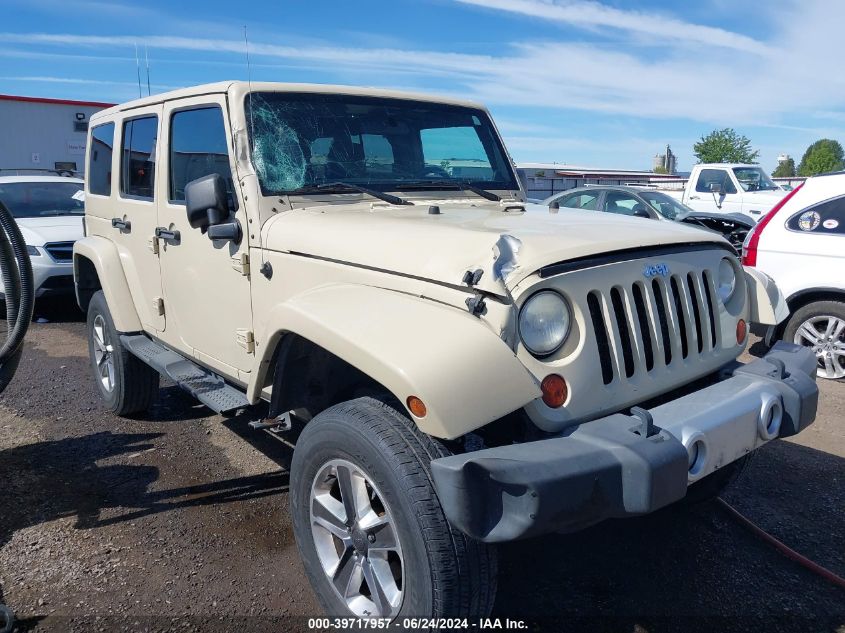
x=47, y=212
x=764, y=178
x=497, y=156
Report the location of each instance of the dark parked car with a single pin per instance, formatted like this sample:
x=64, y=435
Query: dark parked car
x=655, y=205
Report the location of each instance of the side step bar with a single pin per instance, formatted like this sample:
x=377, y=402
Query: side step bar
x=208, y=388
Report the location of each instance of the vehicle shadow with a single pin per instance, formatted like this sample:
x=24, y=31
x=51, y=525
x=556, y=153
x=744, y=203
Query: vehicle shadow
x=49, y=480
x=692, y=567
x=57, y=310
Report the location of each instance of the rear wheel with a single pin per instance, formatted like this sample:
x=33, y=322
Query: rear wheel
x=369, y=526
x=821, y=327
x=126, y=384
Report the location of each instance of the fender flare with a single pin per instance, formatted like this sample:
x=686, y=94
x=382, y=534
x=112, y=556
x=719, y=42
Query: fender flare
x=464, y=373
x=103, y=254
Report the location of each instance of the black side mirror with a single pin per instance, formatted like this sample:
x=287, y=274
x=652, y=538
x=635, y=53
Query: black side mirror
x=639, y=212
x=206, y=201
x=554, y=206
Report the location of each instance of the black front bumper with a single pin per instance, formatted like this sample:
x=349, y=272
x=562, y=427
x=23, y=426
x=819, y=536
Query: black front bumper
x=610, y=467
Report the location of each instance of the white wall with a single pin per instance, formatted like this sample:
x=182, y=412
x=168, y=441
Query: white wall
x=43, y=129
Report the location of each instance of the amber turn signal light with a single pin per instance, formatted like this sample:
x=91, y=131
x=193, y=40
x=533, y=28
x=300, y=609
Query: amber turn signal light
x=416, y=406
x=741, y=331
x=555, y=390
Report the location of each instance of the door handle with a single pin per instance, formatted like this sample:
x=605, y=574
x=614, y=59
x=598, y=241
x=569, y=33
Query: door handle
x=125, y=226
x=171, y=237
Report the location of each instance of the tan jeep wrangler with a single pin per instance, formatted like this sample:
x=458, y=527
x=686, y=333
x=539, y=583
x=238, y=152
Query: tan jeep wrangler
x=357, y=266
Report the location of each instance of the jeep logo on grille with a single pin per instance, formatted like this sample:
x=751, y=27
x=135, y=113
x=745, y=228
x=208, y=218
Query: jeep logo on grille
x=652, y=270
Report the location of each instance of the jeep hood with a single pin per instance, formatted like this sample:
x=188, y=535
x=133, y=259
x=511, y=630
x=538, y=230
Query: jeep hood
x=507, y=246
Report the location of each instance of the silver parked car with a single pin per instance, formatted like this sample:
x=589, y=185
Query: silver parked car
x=645, y=203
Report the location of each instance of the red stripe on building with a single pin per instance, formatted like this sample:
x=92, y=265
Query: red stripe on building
x=93, y=104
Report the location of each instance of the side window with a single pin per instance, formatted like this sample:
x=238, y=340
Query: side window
x=622, y=203
x=99, y=160
x=586, y=201
x=709, y=177
x=197, y=148
x=137, y=168
x=827, y=218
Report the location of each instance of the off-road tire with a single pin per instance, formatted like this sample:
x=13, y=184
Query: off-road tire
x=714, y=484
x=446, y=573
x=135, y=383
x=817, y=308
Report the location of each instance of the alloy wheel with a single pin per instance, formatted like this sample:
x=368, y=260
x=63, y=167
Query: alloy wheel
x=825, y=335
x=103, y=353
x=356, y=540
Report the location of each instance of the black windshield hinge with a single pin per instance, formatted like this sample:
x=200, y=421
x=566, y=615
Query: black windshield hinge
x=472, y=277
x=476, y=305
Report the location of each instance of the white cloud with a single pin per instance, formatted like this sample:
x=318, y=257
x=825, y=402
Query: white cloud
x=724, y=79
x=593, y=15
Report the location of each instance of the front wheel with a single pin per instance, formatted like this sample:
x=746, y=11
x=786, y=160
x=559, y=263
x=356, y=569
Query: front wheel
x=821, y=327
x=370, y=529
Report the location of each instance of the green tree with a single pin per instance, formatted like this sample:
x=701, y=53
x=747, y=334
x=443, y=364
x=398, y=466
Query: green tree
x=724, y=146
x=822, y=156
x=660, y=169
x=785, y=169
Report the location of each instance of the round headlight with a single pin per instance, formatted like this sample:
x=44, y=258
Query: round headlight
x=544, y=323
x=727, y=280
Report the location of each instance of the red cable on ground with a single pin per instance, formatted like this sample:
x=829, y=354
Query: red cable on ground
x=781, y=547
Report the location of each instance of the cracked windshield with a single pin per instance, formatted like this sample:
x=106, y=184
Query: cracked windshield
x=303, y=143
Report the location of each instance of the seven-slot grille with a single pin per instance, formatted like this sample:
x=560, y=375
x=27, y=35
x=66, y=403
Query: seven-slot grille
x=60, y=251
x=655, y=322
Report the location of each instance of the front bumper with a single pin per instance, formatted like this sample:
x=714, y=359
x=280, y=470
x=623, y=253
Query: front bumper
x=613, y=467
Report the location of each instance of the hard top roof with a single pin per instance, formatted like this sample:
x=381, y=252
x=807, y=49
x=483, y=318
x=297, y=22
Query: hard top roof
x=243, y=87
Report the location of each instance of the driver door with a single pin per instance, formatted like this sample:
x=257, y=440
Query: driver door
x=704, y=199
x=206, y=283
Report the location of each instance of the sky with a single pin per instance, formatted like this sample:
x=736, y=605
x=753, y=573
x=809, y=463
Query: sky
x=604, y=84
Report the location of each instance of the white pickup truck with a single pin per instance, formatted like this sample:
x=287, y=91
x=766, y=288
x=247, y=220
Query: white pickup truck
x=729, y=188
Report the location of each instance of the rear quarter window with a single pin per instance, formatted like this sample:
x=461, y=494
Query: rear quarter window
x=825, y=218
x=100, y=160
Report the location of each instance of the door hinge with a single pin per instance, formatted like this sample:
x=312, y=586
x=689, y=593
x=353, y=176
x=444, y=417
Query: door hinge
x=158, y=306
x=152, y=244
x=240, y=262
x=245, y=339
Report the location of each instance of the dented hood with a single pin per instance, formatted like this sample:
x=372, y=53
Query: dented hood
x=507, y=246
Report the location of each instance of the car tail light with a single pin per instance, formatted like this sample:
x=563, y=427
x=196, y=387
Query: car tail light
x=749, y=249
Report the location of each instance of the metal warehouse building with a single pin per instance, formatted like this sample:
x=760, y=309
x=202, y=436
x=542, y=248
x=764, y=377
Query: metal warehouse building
x=44, y=134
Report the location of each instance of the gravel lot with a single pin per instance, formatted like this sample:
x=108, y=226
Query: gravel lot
x=178, y=521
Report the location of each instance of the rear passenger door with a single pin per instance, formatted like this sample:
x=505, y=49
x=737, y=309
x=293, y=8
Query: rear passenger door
x=206, y=283
x=134, y=213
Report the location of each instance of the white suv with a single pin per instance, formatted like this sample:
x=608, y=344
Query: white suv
x=801, y=245
x=49, y=212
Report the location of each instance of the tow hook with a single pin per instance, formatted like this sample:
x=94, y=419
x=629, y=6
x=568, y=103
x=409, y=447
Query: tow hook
x=646, y=427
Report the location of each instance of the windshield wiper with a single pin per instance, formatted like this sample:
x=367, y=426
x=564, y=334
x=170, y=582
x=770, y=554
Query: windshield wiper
x=448, y=184
x=339, y=187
